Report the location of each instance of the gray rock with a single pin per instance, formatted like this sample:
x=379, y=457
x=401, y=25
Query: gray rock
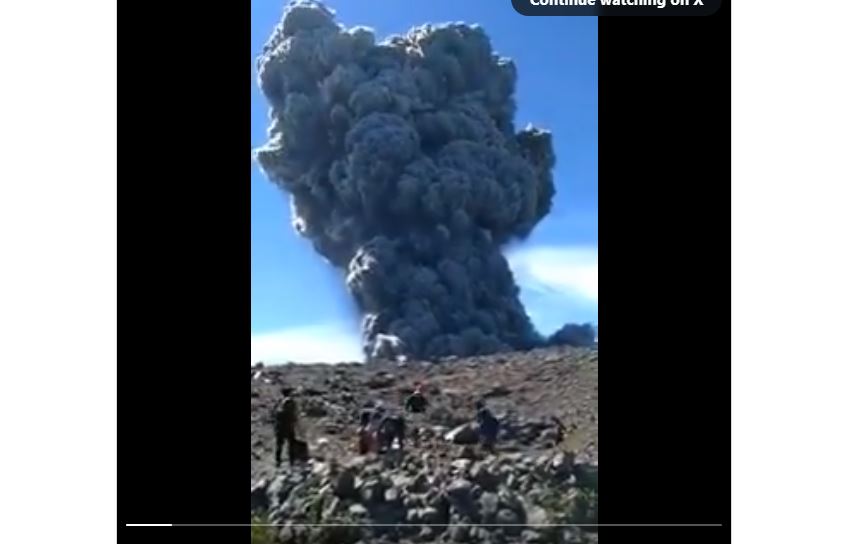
x=369, y=471
x=290, y=533
x=467, y=452
x=381, y=380
x=315, y=408
x=427, y=515
x=358, y=462
x=420, y=484
x=461, y=465
x=571, y=536
x=387, y=513
x=279, y=489
x=463, y=434
x=531, y=537
x=488, y=506
x=438, y=431
x=459, y=490
x=460, y=498
x=357, y=510
x=537, y=515
x=413, y=501
x=426, y=534
x=510, y=520
x=498, y=391
x=392, y=494
x=402, y=481
x=433, y=516
x=484, y=478
x=460, y=533
x=320, y=469
x=505, y=516
x=335, y=534
x=259, y=496
x=413, y=515
x=550, y=435
x=479, y=534
x=511, y=501
x=561, y=464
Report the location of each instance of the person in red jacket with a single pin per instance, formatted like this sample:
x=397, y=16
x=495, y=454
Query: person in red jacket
x=366, y=434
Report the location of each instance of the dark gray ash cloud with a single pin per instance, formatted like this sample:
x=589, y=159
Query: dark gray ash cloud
x=406, y=171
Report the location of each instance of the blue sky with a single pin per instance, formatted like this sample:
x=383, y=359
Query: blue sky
x=300, y=310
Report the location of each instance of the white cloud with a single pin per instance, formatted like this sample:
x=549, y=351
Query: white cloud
x=571, y=271
x=324, y=343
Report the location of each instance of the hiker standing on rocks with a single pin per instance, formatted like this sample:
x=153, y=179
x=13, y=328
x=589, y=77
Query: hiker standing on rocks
x=392, y=427
x=285, y=418
x=489, y=426
x=415, y=405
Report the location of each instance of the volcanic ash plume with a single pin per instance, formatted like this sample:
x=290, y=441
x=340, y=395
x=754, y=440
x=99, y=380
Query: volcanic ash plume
x=405, y=170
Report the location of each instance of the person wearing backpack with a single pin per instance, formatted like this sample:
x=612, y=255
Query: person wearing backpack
x=285, y=419
x=390, y=428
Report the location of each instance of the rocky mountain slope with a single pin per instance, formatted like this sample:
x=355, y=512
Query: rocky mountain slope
x=442, y=488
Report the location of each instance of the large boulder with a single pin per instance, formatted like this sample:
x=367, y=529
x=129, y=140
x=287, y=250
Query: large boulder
x=561, y=464
x=488, y=506
x=467, y=452
x=381, y=380
x=460, y=490
x=315, y=408
x=459, y=532
x=510, y=521
x=460, y=497
x=259, y=501
x=427, y=515
x=357, y=511
x=419, y=484
x=467, y=433
x=484, y=478
x=344, y=484
x=279, y=489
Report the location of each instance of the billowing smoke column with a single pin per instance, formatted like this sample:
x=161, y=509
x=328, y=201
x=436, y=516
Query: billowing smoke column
x=405, y=170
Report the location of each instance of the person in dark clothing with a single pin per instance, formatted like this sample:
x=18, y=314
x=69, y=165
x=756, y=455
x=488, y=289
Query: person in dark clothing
x=285, y=419
x=391, y=428
x=416, y=403
x=489, y=426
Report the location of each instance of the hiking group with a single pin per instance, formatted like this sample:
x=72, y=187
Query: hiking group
x=378, y=429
